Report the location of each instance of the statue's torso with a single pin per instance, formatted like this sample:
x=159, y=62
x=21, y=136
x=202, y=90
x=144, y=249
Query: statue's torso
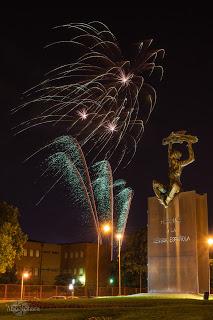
x=175, y=170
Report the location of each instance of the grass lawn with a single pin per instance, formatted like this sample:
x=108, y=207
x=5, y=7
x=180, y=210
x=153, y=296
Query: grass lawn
x=174, y=307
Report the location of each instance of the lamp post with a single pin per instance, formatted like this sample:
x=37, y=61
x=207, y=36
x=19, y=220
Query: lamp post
x=25, y=275
x=119, y=238
x=105, y=228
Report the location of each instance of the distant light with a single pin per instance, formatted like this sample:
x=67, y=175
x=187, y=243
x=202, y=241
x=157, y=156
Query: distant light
x=210, y=241
x=73, y=281
x=119, y=236
x=106, y=228
x=111, y=280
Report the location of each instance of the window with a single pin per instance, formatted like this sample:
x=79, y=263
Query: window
x=71, y=255
x=36, y=272
x=31, y=252
x=66, y=255
x=81, y=271
x=37, y=253
x=75, y=271
x=25, y=252
x=82, y=254
x=76, y=254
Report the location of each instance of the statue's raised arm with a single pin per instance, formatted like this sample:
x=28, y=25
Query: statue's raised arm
x=191, y=156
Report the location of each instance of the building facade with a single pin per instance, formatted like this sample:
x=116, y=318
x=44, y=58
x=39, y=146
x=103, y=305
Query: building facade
x=80, y=261
x=45, y=261
x=41, y=260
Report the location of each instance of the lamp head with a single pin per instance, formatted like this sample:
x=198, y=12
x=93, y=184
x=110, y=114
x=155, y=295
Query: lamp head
x=119, y=236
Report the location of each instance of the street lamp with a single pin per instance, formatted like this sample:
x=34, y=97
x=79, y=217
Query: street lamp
x=108, y=228
x=25, y=275
x=119, y=238
x=210, y=241
x=105, y=228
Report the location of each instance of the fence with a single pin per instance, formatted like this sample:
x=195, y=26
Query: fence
x=13, y=291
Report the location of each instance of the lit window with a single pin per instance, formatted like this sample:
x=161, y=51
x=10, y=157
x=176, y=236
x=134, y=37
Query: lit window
x=82, y=279
x=25, y=252
x=37, y=253
x=81, y=271
x=36, y=272
x=75, y=270
x=71, y=255
x=31, y=252
x=82, y=254
x=66, y=255
x=76, y=254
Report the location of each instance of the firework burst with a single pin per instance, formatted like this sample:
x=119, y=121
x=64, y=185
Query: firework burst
x=103, y=99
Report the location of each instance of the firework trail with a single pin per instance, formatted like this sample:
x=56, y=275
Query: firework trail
x=68, y=164
x=122, y=203
x=62, y=166
x=102, y=183
x=93, y=189
x=102, y=178
x=101, y=98
x=70, y=146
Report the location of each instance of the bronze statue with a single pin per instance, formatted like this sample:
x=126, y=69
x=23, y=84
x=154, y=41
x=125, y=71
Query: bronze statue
x=166, y=194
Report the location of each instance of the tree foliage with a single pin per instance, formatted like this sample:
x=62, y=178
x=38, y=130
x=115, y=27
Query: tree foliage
x=12, y=239
x=133, y=260
x=10, y=276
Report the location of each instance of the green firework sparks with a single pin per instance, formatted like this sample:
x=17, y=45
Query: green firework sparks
x=122, y=202
x=103, y=190
x=102, y=199
x=65, y=170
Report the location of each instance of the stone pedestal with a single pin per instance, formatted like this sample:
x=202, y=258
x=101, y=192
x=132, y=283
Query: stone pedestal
x=178, y=253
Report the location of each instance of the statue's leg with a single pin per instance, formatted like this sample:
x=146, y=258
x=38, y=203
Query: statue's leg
x=160, y=191
x=173, y=191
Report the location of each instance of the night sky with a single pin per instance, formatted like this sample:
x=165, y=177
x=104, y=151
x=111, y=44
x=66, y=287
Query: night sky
x=184, y=102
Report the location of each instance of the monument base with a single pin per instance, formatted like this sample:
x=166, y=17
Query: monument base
x=178, y=253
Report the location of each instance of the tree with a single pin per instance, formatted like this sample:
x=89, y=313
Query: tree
x=133, y=260
x=12, y=239
x=10, y=276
